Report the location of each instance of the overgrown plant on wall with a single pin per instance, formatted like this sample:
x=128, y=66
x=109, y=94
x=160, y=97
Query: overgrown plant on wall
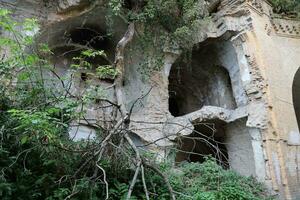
x=159, y=27
x=38, y=159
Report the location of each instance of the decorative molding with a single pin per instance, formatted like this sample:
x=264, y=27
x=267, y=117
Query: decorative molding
x=286, y=28
x=241, y=8
x=256, y=5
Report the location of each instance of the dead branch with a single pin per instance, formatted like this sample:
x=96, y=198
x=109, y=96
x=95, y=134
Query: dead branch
x=139, y=162
x=144, y=182
x=104, y=179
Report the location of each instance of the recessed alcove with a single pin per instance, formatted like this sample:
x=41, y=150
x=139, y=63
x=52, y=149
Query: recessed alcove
x=208, y=139
x=210, y=76
x=80, y=38
x=199, y=79
x=231, y=144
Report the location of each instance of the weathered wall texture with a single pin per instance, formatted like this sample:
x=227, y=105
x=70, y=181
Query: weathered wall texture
x=273, y=48
x=240, y=83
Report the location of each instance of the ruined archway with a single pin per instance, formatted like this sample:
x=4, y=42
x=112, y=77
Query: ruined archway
x=201, y=84
x=296, y=95
x=68, y=39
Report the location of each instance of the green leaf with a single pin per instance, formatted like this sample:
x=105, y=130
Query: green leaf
x=4, y=12
x=24, y=139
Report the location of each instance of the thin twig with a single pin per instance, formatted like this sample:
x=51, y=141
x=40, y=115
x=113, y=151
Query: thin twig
x=144, y=182
x=104, y=179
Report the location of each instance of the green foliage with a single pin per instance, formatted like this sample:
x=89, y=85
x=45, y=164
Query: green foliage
x=287, y=7
x=116, y=6
x=176, y=26
x=106, y=71
x=83, y=62
x=211, y=181
x=170, y=24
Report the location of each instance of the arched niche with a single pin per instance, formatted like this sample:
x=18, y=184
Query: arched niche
x=296, y=95
x=199, y=79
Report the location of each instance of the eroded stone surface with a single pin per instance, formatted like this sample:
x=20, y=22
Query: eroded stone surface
x=250, y=97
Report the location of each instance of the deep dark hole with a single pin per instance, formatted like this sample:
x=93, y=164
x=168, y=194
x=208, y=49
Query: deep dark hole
x=131, y=4
x=90, y=37
x=98, y=61
x=83, y=76
x=128, y=4
x=206, y=140
x=193, y=83
x=174, y=107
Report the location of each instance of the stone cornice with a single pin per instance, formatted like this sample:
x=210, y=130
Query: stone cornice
x=286, y=28
x=282, y=26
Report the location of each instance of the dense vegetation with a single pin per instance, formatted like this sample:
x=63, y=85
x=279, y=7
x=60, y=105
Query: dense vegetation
x=289, y=8
x=38, y=160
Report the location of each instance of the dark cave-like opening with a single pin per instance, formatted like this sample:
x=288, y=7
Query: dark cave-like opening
x=199, y=81
x=174, y=104
x=83, y=76
x=206, y=140
x=89, y=36
x=128, y=4
x=79, y=39
x=296, y=96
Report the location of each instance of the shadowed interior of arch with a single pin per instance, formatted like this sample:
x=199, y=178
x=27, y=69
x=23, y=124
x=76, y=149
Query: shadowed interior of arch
x=296, y=95
x=198, y=80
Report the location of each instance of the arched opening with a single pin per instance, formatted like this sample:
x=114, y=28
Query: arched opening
x=209, y=76
x=78, y=39
x=296, y=95
x=198, y=80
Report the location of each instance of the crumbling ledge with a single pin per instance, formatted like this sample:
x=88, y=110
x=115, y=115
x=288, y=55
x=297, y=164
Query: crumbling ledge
x=183, y=125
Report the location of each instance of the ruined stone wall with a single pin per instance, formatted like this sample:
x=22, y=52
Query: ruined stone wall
x=273, y=50
x=274, y=45
x=239, y=83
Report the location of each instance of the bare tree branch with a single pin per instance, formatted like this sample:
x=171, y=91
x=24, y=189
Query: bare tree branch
x=119, y=65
